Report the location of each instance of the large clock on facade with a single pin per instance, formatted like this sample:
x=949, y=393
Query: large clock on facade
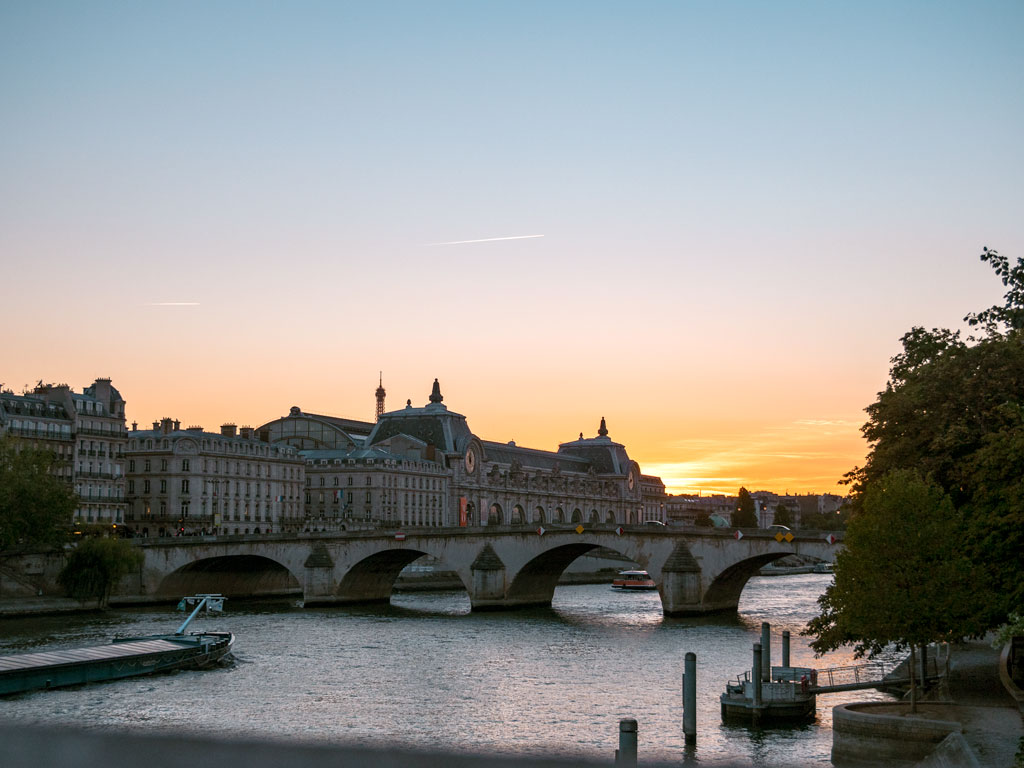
x=470, y=461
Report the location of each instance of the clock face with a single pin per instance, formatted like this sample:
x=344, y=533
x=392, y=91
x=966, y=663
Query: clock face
x=470, y=461
x=630, y=480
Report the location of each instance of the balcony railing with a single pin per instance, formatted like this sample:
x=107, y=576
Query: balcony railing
x=39, y=433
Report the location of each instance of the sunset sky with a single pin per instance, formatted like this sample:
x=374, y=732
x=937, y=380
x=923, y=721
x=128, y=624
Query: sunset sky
x=735, y=210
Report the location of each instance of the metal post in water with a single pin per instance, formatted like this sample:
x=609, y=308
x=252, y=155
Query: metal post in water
x=626, y=755
x=785, y=647
x=766, y=652
x=755, y=675
x=690, y=699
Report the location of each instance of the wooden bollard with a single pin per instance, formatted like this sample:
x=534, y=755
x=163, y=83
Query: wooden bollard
x=690, y=699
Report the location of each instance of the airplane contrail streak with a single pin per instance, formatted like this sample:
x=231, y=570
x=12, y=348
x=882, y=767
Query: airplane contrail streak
x=487, y=240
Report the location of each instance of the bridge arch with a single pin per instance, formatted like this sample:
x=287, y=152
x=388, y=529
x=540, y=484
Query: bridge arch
x=723, y=593
x=535, y=582
x=372, y=579
x=231, y=575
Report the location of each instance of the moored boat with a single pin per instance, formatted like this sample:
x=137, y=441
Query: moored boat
x=123, y=657
x=633, y=580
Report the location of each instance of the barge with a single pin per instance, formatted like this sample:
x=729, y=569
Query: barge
x=123, y=657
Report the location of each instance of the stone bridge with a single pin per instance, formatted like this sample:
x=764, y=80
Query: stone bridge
x=697, y=571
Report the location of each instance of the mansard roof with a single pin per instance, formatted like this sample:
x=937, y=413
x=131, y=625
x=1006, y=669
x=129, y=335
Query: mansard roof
x=432, y=424
x=532, y=458
x=606, y=456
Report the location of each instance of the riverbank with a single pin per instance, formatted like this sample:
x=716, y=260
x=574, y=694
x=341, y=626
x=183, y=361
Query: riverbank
x=972, y=704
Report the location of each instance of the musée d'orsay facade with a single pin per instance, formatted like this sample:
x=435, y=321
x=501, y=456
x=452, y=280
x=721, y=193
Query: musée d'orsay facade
x=425, y=467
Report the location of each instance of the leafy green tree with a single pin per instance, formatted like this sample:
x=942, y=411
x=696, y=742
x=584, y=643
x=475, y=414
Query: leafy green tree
x=703, y=520
x=952, y=409
x=783, y=516
x=903, y=577
x=95, y=566
x=36, y=507
x=746, y=514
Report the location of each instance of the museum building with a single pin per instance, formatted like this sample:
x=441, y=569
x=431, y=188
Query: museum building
x=423, y=466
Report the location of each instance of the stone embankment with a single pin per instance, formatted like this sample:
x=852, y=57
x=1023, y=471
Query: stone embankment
x=977, y=724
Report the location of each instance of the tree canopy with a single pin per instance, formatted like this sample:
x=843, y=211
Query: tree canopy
x=903, y=577
x=95, y=566
x=783, y=516
x=745, y=515
x=952, y=415
x=36, y=507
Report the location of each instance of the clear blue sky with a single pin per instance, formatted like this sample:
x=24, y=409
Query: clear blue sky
x=744, y=205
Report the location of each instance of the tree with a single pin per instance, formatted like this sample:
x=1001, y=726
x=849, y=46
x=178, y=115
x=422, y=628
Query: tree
x=954, y=410
x=903, y=578
x=783, y=516
x=36, y=507
x=703, y=520
x=746, y=515
x=95, y=566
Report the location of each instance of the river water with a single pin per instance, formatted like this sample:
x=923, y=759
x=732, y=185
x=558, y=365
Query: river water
x=425, y=672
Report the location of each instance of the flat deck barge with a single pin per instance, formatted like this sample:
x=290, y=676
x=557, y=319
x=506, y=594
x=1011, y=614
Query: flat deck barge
x=123, y=657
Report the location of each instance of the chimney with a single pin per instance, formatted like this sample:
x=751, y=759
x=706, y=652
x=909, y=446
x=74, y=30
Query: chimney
x=156, y=425
x=165, y=425
x=177, y=425
x=246, y=432
x=194, y=428
x=227, y=430
x=135, y=426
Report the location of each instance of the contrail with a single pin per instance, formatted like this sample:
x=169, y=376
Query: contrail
x=173, y=304
x=487, y=240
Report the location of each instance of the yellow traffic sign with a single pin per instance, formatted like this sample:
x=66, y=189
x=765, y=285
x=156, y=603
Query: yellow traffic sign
x=580, y=529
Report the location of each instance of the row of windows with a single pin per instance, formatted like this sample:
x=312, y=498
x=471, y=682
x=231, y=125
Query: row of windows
x=260, y=470
x=226, y=446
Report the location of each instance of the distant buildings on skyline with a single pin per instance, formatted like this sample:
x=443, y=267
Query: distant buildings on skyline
x=415, y=466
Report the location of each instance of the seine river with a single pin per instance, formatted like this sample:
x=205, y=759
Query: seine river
x=425, y=672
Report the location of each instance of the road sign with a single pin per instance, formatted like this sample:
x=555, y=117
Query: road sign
x=620, y=530
x=399, y=537
x=580, y=529
x=831, y=539
x=789, y=537
x=540, y=531
x=739, y=535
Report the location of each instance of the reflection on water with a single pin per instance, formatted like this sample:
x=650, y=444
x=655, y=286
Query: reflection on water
x=425, y=671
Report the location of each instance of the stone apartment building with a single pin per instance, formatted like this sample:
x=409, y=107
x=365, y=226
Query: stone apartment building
x=86, y=432
x=189, y=481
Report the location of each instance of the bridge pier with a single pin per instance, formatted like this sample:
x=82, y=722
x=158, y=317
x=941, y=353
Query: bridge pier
x=681, y=584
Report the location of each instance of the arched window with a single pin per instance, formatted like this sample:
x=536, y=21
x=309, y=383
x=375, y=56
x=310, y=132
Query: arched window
x=594, y=516
x=518, y=515
x=538, y=515
x=494, y=516
x=577, y=516
x=610, y=517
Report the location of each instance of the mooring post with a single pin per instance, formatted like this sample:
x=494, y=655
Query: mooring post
x=766, y=652
x=755, y=674
x=785, y=647
x=625, y=757
x=690, y=699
